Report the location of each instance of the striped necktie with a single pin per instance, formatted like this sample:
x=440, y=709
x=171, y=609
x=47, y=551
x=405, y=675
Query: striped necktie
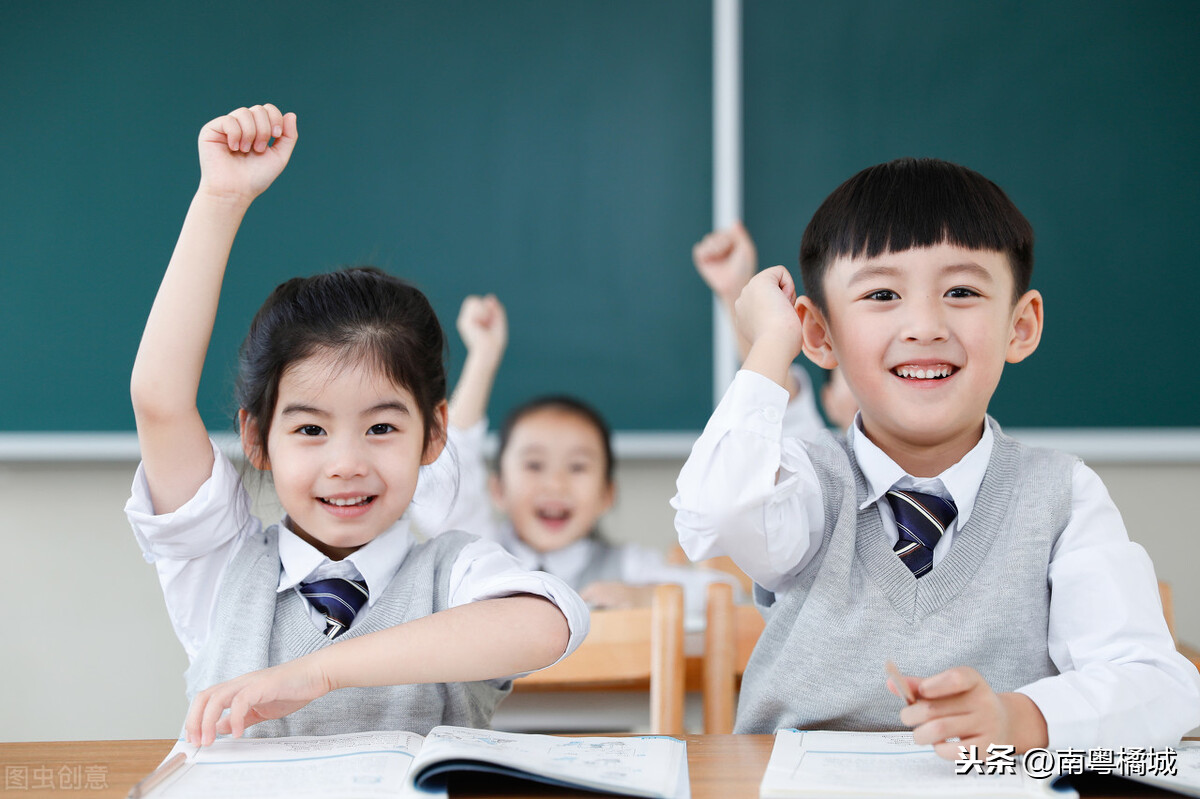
x=337, y=599
x=921, y=519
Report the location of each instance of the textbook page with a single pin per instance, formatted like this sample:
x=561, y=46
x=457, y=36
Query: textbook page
x=872, y=764
x=351, y=766
x=649, y=765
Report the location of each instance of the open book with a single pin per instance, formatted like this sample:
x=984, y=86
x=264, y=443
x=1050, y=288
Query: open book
x=401, y=764
x=874, y=764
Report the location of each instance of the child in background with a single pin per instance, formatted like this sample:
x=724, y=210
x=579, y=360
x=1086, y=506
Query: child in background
x=341, y=390
x=727, y=259
x=1000, y=573
x=553, y=483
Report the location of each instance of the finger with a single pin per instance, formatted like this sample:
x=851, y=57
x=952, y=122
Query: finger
x=274, y=118
x=949, y=682
x=940, y=729
x=191, y=725
x=239, y=708
x=924, y=710
x=262, y=128
x=246, y=120
x=208, y=723
x=229, y=128
x=286, y=141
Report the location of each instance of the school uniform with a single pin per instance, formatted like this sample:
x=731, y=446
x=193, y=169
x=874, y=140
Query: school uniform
x=578, y=564
x=1006, y=574
x=229, y=581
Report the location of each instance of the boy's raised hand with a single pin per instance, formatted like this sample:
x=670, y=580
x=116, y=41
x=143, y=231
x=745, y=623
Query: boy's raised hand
x=959, y=703
x=238, y=161
x=483, y=326
x=726, y=259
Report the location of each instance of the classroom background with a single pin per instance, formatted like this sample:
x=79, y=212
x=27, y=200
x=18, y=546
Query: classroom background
x=564, y=156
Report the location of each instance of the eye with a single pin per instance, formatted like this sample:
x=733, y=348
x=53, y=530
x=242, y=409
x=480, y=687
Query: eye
x=579, y=468
x=381, y=429
x=882, y=295
x=310, y=430
x=961, y=292
x=533, y=466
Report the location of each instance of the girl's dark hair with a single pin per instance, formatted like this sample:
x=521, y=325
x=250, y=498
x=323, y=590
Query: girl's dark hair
x=361, y=313
x=566, y=404
x=914, y=202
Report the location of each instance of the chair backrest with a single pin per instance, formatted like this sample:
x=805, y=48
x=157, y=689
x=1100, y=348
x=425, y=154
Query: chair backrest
x=730, y=633
x=628, y=649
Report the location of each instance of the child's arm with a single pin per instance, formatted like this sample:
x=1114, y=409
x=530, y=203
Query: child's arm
x=477, y=641
x=484, y=330
x=727, y=259
x=236, y=165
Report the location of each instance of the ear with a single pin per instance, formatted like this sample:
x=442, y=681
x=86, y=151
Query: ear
x=437, y=441
x=496, y=490
x=1026, y=327
x=248, y=430
x=610, y=497
x=817, y=345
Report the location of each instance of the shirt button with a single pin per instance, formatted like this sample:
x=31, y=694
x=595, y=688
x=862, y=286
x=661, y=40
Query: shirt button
x=771, y=415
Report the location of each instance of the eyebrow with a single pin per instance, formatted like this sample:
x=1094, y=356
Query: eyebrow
x=872, y=271
x=296, y=408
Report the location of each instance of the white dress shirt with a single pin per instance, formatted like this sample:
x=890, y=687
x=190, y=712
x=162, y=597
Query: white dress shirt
x=750, y=493
x=472, y=511
x=191, y=547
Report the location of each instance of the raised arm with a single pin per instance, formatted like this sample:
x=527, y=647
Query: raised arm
x=237, y=163
x=483, y=326
x=727, y=259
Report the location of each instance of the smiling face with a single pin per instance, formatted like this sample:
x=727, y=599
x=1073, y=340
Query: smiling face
x=921, y=337
x=344, y=448
x=552, y=480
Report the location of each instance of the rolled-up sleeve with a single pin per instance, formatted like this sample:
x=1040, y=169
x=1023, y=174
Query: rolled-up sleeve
x=484, y=570
x=747, y=492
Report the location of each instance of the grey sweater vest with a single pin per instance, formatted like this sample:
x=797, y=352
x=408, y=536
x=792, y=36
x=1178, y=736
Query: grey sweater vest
x=256, y=627
x=819, y=661
x=604, y=564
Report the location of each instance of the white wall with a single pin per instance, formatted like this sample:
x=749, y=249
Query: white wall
x=90, y=654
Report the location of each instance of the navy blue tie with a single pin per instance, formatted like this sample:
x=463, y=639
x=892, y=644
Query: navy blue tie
x=339, y=600
x=921, y=519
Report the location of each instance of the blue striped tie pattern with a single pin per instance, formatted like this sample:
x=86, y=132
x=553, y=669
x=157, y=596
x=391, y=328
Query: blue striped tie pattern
x=337, y=599
x=921, y=519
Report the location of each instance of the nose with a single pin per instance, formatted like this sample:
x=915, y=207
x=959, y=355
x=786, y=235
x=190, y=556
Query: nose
x=925, y=320
x=346, y=459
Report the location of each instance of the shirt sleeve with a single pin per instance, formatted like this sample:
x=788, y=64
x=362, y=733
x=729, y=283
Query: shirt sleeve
x=452, y=492
x=484, y=570
x=644, y=566
x=191, y=546
x=747, y=492
x=1122, y=682
x=801, y=419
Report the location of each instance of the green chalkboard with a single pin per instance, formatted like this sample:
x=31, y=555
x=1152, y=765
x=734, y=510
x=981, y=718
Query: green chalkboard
x=1086, y=112
x=555, y=153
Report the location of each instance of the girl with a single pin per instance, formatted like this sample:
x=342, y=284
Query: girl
x=341, y=391
x=554, y=480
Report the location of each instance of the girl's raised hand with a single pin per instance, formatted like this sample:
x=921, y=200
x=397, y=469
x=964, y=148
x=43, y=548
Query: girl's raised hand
x=238, y=160
x=483, y=325
x=726, y=259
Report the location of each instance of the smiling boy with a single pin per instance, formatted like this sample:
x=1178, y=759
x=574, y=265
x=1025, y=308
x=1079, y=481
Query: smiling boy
x=999, y=573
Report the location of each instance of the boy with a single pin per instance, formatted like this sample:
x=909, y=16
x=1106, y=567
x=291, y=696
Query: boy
x=1000, y=573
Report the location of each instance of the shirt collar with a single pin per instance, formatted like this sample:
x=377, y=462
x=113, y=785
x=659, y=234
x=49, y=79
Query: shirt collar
x=960, y=482
x=566, y=563
x=375, y=563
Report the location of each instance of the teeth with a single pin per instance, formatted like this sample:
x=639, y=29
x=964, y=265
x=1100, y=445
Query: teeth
x=926, y=373
x=550, y=514
x=341, y=503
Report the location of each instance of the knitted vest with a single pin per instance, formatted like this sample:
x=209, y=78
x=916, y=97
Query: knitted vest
x=819, y=661
x=604, y=564
x=256, y=627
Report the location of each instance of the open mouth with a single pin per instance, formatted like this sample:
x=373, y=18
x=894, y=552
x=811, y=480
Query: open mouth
x=555, y=517
x=348, y=502
x=938, y=371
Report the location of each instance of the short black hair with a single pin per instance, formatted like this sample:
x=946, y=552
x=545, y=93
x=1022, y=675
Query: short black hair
x=914, y=202
x=565, y=404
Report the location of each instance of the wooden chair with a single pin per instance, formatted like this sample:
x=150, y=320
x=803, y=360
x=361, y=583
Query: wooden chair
x=730, y=634
x=628, y=649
